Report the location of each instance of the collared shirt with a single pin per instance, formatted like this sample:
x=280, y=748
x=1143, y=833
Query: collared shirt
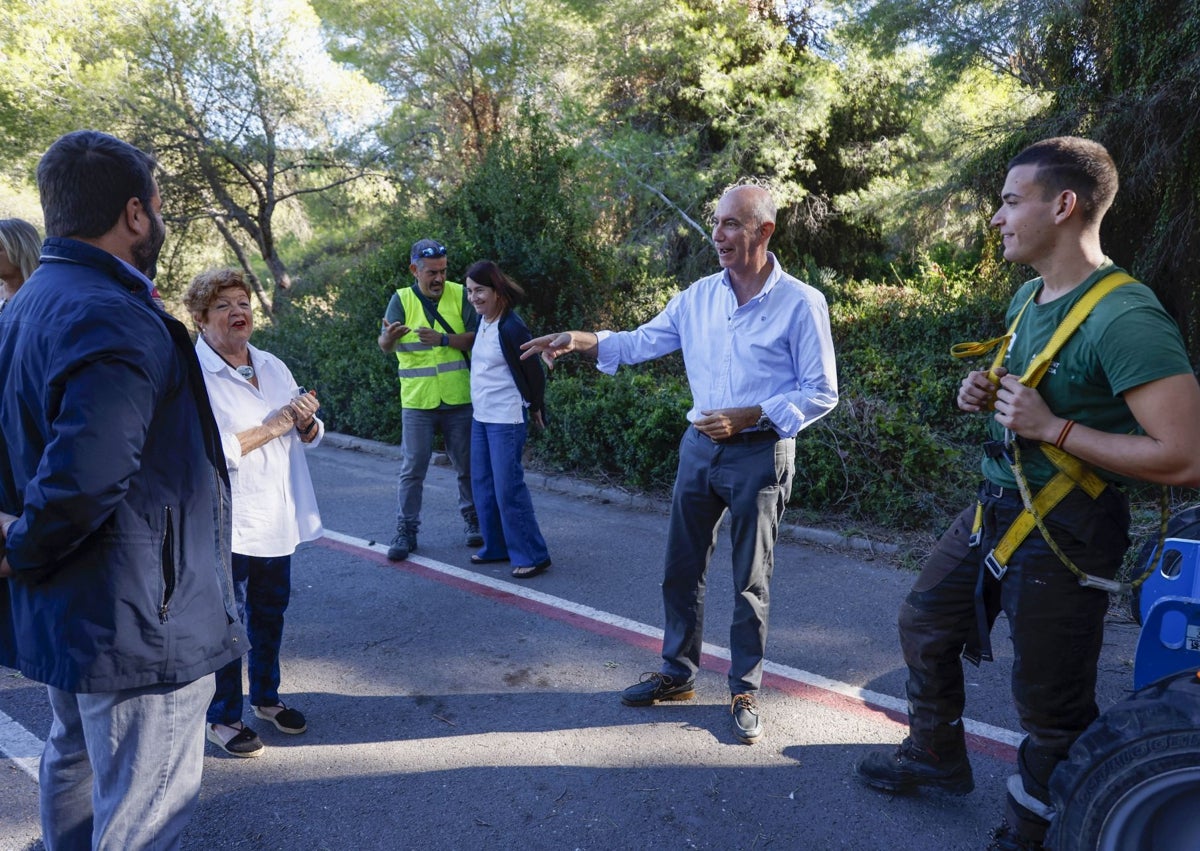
x=274, y=506
x=776, y=350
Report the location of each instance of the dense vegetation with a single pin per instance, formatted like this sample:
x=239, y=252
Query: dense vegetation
x=582, y=145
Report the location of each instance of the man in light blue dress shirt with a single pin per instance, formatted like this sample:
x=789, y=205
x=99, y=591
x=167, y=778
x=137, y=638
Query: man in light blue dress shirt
x=759, y=358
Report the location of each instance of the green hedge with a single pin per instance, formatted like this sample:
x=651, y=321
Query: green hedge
x=895, y=452
x=329, y=342
x=625, y=426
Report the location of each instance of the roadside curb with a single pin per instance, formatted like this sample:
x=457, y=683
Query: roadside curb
x=615, y=495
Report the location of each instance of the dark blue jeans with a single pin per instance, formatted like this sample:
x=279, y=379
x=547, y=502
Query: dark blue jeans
x=262, y=588
x=752, y=482
x=506, y=519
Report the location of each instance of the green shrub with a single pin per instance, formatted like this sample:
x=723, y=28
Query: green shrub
x=329, y=342
x=871, y=461
x=627, y=426
x=893, y=343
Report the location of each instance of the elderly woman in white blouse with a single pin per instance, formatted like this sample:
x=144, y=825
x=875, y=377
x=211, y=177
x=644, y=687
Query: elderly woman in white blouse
x=266, y=423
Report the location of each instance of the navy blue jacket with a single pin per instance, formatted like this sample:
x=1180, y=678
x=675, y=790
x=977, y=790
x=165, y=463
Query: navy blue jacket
x=527, y=374
x=112, y=460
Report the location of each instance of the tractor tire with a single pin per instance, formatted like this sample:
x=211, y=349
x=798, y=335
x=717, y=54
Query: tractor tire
x=1132, y=781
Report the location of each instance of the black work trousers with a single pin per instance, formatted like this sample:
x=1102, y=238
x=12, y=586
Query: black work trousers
x=1056, y=625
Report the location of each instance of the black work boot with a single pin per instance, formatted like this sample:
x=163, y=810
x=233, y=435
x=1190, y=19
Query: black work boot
x=911, y=766
x=474, y=536
x=1027, y=809
x=1006, y=838
x=404, y=542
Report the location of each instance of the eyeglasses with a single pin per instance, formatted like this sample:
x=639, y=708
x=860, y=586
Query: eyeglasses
x=438, y=251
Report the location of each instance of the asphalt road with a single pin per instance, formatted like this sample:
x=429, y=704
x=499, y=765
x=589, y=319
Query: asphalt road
x=452, y=707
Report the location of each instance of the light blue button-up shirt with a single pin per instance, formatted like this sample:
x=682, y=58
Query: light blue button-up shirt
x=776, y=350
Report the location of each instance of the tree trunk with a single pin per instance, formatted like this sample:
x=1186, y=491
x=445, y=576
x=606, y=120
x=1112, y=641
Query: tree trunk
x=244, y=262
x=283, y=282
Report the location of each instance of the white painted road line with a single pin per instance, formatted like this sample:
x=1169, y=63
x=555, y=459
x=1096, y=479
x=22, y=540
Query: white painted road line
x=25, y=749
x=20, y=745
x=996, y=741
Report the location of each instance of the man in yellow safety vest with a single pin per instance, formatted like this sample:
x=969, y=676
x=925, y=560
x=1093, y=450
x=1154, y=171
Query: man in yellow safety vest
x=430, y=327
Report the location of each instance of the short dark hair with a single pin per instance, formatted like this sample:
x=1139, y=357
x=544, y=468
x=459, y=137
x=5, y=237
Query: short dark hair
x=1080, y=165
x=85, y=180
x=488, y=274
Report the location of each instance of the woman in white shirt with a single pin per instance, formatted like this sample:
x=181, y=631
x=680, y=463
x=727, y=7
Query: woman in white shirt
x=266, y=423
x=506, y=393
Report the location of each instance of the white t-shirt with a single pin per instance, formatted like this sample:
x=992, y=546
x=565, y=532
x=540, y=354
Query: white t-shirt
x=494, y=395
x=274, y=506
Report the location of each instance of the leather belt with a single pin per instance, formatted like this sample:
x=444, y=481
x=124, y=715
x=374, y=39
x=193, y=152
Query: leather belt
x=750, y=436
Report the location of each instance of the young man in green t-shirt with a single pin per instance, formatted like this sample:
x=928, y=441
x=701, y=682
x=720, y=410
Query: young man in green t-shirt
x=1119, y=396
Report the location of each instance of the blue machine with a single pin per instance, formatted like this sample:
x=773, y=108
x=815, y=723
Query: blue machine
x=1168, y=607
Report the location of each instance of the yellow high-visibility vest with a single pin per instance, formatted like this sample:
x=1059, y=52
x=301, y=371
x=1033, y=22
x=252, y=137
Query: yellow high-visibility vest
x=431, y=376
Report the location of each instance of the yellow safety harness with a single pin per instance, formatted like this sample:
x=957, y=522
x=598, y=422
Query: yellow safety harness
x=1072, y=472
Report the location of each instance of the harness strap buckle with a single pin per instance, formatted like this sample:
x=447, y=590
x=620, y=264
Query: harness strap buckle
x=976, y=527
x=1109, y=585
x=993, y=565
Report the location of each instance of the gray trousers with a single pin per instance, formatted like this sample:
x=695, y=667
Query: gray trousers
x=416, y=447
x=752, y=481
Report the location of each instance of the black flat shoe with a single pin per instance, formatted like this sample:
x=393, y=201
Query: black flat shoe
x=528, y=571
x=478, y=560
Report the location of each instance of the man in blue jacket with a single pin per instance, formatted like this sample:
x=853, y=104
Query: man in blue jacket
x=114, y=586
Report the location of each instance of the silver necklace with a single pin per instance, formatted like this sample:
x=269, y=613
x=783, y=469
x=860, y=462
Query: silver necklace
x=246, y=371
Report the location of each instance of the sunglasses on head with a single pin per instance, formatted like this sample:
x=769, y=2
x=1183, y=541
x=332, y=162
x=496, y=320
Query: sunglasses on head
x=438, y=251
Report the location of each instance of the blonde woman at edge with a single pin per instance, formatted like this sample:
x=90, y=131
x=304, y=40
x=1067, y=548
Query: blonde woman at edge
x=20, y=250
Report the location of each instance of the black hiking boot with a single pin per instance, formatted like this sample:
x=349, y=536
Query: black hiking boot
x=403, y=544
x=474, y=536
x=1005, y=838
x=910, y=767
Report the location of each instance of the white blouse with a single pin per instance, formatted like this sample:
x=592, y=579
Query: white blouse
x=494, y=395
x=274, y=506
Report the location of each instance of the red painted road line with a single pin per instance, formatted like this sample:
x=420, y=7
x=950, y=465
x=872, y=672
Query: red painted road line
x=485, y=587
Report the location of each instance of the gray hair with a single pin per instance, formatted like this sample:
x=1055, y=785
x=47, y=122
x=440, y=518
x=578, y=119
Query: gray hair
x=425, y=248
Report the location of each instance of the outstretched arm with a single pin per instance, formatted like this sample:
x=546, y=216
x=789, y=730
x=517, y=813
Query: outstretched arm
x=550, y=346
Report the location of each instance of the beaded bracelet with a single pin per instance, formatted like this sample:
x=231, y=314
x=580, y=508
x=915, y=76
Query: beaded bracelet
x=1062, y=435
